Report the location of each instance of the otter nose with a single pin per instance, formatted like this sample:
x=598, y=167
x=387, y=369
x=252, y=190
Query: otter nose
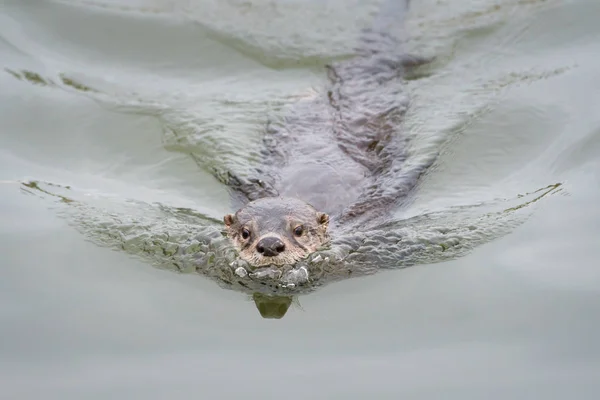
x=270, y=246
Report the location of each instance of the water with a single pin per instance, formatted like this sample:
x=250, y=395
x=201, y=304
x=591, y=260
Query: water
x=116, y=104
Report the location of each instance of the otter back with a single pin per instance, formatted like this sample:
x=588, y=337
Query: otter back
x=342, y=150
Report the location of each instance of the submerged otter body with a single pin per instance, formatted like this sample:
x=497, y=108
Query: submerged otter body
x=338, y=155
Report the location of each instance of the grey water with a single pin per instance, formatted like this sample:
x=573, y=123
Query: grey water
x=115, y=115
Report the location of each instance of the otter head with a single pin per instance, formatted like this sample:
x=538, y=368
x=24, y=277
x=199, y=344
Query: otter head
x=276, y=231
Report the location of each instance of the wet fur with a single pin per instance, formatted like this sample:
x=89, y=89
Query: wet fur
x=277, y=217
x=342, y=151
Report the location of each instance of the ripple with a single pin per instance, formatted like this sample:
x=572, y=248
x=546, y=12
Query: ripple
x=186, y=241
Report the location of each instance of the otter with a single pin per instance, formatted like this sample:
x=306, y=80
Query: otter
x=339, y=153
x=277, y=231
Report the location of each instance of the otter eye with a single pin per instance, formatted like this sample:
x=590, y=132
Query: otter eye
x=245, y=233
x=299, y=230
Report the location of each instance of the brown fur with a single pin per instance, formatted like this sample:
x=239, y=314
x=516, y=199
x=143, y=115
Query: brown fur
x=277, y=217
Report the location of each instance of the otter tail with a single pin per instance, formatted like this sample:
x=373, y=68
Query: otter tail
x=384, y=41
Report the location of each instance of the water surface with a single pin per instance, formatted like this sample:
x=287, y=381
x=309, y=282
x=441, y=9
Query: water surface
x=122, y=105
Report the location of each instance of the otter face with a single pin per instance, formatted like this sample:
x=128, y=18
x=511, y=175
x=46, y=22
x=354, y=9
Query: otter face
x=276, y=231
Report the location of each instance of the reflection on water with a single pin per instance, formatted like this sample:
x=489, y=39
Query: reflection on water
x=271, y=306
x=37, y=79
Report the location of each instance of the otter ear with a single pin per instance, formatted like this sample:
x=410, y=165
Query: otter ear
x=229, y=220
x=322, y=218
